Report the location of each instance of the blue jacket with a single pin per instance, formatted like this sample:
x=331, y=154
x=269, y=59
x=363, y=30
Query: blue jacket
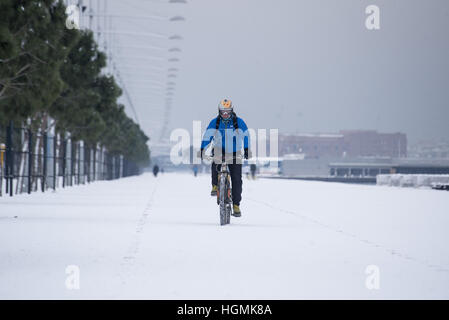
x=232, y=140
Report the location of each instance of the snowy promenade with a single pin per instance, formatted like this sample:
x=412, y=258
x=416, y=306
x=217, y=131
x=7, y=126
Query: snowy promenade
x=143, y=237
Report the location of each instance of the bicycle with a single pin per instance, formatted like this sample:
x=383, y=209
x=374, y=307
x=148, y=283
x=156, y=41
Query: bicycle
x=224, y=192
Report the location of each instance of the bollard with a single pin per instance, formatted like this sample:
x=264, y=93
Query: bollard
x=30, y=159
x=64, y=154
x=9, y=174
x=55, y=159
x=44, y=162
x=2, y=170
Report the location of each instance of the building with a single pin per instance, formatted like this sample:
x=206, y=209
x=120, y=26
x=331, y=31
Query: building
x=312, y=145
x=346, y=143
x=370, y=143
x=430, y=149
x=359, y=170
x=373, y=167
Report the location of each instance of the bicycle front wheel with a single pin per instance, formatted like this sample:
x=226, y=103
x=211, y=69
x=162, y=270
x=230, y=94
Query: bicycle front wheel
x=222, y=200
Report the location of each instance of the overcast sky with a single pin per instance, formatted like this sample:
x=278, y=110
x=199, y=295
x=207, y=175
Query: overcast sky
x=296, y=65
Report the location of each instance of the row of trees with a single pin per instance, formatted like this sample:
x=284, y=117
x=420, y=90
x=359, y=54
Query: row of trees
x=48, y=71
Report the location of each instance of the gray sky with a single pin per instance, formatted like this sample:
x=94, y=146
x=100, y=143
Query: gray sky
x=300, y=66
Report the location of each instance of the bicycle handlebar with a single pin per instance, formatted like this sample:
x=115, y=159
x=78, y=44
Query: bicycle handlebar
x=210, y=158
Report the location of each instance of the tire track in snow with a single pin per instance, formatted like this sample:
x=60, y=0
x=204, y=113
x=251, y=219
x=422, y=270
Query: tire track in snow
x=394, y=252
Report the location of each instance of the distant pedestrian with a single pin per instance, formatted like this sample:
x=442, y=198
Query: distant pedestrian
x=195, y=170
x=253, y=170
x=155, y=170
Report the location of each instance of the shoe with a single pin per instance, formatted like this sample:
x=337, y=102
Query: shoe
x=214, y=191
x=236, y=211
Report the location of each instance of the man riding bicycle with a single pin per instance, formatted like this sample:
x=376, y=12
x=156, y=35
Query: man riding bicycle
x=230, y=135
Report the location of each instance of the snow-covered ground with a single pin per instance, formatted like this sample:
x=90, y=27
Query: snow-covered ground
x=159, y=238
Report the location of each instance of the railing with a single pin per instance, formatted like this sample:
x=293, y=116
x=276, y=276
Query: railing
x=32, y=161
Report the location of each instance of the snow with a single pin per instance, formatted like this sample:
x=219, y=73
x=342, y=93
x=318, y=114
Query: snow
x=159, y=238
x=412, y=180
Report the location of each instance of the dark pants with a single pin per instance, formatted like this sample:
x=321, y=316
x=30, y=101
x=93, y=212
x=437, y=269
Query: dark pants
x=236, y=180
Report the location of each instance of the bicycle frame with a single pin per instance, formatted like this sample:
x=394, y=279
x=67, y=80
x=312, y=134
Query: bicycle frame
x=224, y=192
